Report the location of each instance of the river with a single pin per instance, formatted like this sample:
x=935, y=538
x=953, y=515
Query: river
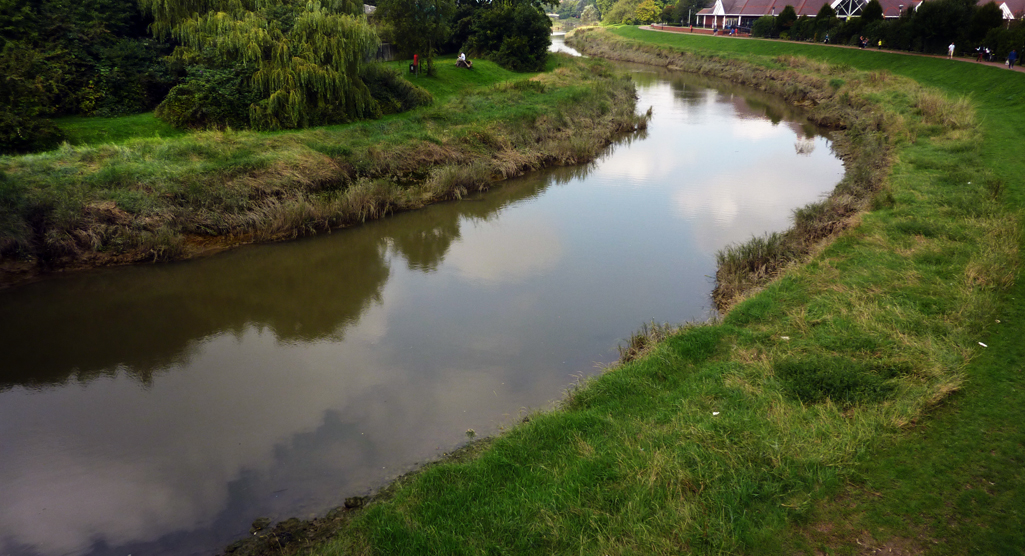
x=160, y=409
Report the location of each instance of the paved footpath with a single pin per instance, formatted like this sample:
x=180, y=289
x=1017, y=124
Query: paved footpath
x=704, y=31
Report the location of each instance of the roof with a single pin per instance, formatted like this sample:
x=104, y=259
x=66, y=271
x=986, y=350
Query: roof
x=1012, y=9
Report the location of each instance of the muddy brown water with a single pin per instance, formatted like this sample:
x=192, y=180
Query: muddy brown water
x=161, y=409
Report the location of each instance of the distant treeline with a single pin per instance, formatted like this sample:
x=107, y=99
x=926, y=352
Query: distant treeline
x=930, y=28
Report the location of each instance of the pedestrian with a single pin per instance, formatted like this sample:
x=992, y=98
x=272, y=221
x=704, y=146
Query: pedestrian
x=1012, y=58
x=827, y=39
x=950, y=51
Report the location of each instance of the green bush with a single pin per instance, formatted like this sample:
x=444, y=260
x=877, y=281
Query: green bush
x=210, y=98
x=764, y=27
x=515, y=36
x=25, y=134
x=130, y=78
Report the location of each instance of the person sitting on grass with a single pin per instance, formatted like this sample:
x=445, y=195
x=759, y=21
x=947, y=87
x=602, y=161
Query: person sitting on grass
x=462, y=62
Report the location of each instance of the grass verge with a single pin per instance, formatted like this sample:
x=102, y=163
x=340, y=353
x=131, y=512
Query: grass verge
x=951, y=484
x=719, y=437
x=168, y=198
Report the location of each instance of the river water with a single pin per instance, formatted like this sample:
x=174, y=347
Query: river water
x=161, y=409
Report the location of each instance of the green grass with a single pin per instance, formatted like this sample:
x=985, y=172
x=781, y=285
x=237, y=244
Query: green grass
x=86, y=130
x=746, y=435
x=155, y=198
x=449, y=81
x=954, y=483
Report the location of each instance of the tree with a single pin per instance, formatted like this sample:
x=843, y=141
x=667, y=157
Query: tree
x=937, y=23
x=515, y=34
x=764, y=26
x=873, y=11
x=803, y=29
x=304, y=57
x=83, y=57
x=786, y=19
x=687, y=10
x=669, y=14
x=419, y=26
x=589, y=15
x=986, y=17
x=646, y=12
x=825, y=19
x=604, y=6
x=568, y=9
x=623, y=11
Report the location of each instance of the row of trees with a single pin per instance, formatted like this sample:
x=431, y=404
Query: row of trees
x=636, y=12
x=260, y=64
x=929, y=28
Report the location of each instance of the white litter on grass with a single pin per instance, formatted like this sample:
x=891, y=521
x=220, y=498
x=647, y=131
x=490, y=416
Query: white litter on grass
x=714, y=413
x=983, y=345
x=784, y=337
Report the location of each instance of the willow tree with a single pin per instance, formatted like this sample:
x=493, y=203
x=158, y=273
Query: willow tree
x=304, y=57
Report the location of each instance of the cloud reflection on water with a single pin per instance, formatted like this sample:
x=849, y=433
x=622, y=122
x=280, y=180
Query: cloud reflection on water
x=160, y=409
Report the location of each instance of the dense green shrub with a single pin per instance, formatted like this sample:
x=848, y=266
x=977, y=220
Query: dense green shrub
x=1001, y=41
x=786, y=19
x=61, y=58
x=131, y=77
x=210, y=98
x=764, y=27
x=930, y=28
x=803, y=29
x=514, y=35
x=25, y=134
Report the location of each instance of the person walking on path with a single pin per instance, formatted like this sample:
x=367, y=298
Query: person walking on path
x=1012, y=58
x=950, y=51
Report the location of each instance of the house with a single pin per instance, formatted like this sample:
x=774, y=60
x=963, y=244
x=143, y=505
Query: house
x=1012, y=9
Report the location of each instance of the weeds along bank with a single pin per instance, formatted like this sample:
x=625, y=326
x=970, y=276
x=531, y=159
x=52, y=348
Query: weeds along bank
x=720, y=435
x=164, y=199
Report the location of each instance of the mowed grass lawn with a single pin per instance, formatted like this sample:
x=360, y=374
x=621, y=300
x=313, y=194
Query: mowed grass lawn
x=955, y=482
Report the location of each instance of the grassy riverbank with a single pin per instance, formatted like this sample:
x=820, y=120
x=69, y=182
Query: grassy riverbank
x=952, y=484
x=168, y=198
x=726, y=436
